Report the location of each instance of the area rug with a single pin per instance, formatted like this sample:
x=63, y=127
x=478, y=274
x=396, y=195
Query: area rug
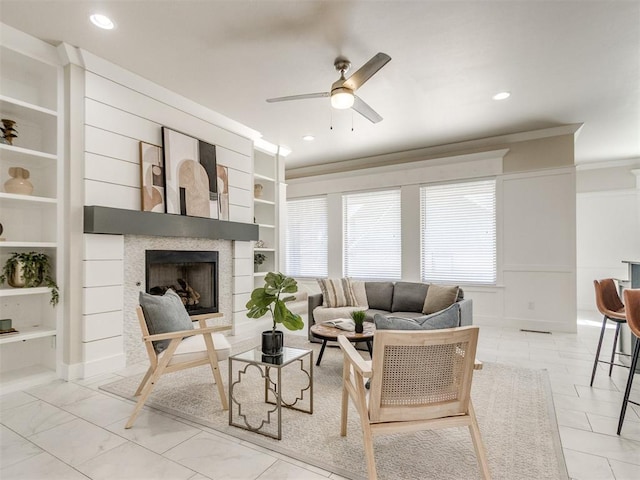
x=513, y=405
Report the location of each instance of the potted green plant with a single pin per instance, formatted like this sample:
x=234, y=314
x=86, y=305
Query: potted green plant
x=358, y=319
x=272, y=298
x=30, y=270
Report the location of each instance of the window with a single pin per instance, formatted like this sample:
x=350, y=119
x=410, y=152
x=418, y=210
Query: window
x=306, y=244
x=371, y=229
x=458, y=232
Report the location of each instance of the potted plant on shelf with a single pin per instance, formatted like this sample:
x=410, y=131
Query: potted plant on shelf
x=30, y=270
x=358, y=319
x=272, y=298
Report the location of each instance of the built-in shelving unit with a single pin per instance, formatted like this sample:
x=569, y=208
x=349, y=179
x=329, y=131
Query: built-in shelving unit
x=31, y=94
x=265, y=211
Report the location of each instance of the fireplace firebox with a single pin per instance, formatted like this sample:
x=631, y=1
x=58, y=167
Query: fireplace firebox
x=192, y=274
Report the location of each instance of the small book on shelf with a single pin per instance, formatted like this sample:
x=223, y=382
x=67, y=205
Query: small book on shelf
x=342, y=323
x=8, y=331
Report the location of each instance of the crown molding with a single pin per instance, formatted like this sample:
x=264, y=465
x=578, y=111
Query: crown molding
x=427, y=153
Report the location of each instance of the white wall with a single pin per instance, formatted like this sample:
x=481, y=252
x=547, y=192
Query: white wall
x=536, y=232
x=121, y=109
x=608, y=225
x=537, y=254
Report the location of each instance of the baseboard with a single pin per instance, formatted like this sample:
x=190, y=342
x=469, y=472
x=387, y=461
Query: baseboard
x=71, y=371
x=102, y=365
x=524, y=324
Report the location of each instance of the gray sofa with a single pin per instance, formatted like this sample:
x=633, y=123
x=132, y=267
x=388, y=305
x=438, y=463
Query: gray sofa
x=397, y=299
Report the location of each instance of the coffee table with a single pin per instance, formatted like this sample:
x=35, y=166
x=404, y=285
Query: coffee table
x=327, y=332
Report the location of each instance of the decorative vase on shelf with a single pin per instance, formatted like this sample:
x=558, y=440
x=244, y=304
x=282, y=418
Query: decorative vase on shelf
x=257, y=190
x=16, y=279
x=19, y=182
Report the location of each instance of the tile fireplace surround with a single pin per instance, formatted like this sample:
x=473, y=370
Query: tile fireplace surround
x=134, y=281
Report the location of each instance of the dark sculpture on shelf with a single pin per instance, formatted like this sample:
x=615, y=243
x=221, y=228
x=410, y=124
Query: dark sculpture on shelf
x=9, y=131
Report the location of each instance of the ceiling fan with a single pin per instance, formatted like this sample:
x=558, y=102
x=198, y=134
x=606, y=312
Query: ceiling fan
x=342, y=91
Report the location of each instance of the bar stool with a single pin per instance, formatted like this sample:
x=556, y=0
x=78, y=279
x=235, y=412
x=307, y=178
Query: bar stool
x=609, y=305
x=632, y=302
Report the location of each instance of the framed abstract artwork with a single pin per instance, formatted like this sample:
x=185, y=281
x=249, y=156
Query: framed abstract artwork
x=152, y=178
x=190, y=175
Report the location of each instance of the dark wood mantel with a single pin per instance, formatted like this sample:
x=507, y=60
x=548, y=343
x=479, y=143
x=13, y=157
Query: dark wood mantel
x=118, y=221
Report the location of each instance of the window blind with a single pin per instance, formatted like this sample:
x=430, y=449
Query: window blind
x=372, y=235
x=458, y=232
x=306, y=237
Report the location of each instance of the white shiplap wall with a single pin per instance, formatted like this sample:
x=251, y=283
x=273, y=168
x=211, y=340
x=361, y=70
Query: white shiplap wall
x=121, y=110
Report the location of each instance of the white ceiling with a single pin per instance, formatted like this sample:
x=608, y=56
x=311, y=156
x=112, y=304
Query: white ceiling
x=564, y=62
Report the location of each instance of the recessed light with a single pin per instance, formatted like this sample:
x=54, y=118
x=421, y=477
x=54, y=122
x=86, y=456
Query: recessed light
x=102, y=21
x=309, y=138
x=501, y=96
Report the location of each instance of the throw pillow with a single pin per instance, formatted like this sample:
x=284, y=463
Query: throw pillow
x=439, y=297
x=164, y=314
x=409, y=296
x=336, y=292
x=379, y=295
x=447, y=318
x=359, y=294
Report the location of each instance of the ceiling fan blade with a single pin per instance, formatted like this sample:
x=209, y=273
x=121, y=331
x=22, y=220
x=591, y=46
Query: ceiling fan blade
x=365, y=110
x=298, y=97
x=367, y=71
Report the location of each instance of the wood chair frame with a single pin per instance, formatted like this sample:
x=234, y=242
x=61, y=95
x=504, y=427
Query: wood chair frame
x=159, y=363
x=379, y=417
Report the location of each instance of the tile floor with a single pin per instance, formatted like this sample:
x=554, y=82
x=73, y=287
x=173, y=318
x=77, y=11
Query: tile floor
x=72, y=430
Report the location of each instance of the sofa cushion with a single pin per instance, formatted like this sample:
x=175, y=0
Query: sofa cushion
x=379, y=295
x=395, y=323
x=439, y=297
x=336, y=292
x=447, y=318
x=404, y=314
x=409, y=296
x=164, y=314
x=322, y=314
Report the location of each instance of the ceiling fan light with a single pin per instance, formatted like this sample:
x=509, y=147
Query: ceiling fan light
x=342, y=98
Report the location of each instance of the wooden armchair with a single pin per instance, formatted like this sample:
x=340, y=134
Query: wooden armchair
x=187, y=349
x=420, y=380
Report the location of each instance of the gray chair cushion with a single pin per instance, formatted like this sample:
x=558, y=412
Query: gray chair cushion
x=379, y=295
x=447, y=318
x=164, y=314
x=409, y=296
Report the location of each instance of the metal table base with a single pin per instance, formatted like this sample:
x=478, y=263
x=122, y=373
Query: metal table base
x=272, y=389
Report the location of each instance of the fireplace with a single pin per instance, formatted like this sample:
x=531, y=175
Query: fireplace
x=192, y=274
